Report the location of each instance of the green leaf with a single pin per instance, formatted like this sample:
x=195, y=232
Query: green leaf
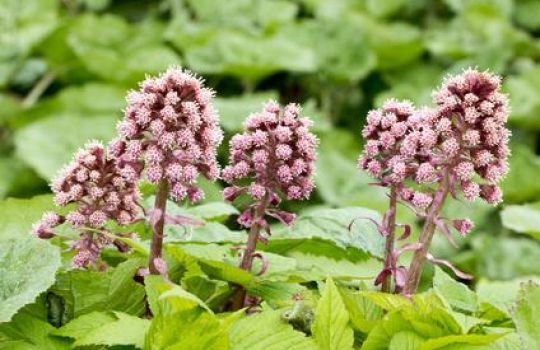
x=389, y=302
x=244, y=13
x=213, y=211
x=113, y=50
x=113, y=290
x=234, y=110
x=457, y=294
x=186, y=330
x=406, y=341
x=342, y=51
x=250, y=57
x=525, y=103
x=24, y=25
x=29, y=330
x=385, y=8
x=333, y=225
x=19, y=214
x=331, y=328
x=388, y=38
x=266, y=331
x=363, y=312
x=462, y=339
x=99, y=328
x=46, y=146
x=524, y=13
x=81, y=326
x=28, y=267
x=381, y=335
x=516, y=187
x=168, y=298
x=501, y=294
x=522, y=218
x=525, y=315
x=501, y=258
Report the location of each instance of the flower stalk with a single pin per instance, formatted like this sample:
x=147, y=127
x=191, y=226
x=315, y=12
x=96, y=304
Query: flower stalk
x=160, y=207
x=428, y=230
x=390, y=229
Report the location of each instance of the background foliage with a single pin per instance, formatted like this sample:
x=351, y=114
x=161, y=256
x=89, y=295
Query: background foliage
x=65, y=67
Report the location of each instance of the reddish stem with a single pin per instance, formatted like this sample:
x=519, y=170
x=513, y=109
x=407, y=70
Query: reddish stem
x=389, y=226
x=241, y=298
x=419, y=258
x=160, y=205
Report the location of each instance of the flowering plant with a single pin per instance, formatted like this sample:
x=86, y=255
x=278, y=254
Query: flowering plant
x=93, y=184
x=458, y=147
x=272, y=160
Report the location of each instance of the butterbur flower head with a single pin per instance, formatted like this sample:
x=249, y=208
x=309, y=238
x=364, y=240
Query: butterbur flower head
x=276, y=152
x=387, y=134
x=170, y=127
x=273, y=159
x=477, y=149
x=93, y=184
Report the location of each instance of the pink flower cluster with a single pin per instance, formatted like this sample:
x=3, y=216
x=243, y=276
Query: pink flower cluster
x=473, y=138
x=275, y=155
x=464, y=138
x=171, y=129
x=99, y=192
x=277, y=152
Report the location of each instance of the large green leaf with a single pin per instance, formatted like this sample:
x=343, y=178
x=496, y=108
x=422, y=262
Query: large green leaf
x=525, y=315
x=115, y=51
x=525, y=102
x=250, y=57
x=522, y=218
x=502, y=258
x=30, y=330
x=363, y=312
x=501, y=294
x=244, y=13
x=457, y=294
x=332, y=225
x=99, y=328
x=18, y=215
x=331, y=328
x=114, y=290
x=24, y=24
x=46, y=146
x=234, y=110
x=28, y=267
x=266, y=331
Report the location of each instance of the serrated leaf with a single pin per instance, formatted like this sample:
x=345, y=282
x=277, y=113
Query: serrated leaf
x=364, y=313
x=406, y=341
x=501, y=294
x=266, y=331
x=30, y=331
x=525, y=315
x=457, y=294
x=81, y=326
x=100, y=328
x=87, y=291
x=331, y=328
x=186, y=330
x=28, y=267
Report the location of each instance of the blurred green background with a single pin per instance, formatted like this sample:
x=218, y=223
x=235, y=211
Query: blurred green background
x=65, y=67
